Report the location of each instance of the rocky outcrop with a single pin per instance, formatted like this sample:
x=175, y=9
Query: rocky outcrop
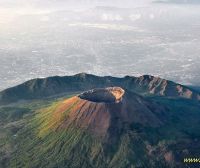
x=162, y=87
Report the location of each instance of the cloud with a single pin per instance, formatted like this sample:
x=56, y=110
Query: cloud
x=111, y=17
x=45, y=18
x=152, y=16
x=134, y=17
x=115, y=27
x=74, y=3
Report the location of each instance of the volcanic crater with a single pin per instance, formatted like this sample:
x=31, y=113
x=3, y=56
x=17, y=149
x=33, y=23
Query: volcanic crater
x=100, y=110
x=103, y=95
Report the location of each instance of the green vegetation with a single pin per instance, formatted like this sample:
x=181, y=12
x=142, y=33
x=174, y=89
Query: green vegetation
x=31, y=137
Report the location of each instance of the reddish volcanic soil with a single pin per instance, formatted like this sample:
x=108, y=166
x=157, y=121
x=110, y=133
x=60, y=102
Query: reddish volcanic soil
x=99, y=110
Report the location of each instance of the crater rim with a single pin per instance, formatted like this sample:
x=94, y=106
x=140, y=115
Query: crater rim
x=103, y=95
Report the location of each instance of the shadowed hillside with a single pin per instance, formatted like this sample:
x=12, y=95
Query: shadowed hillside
x=52, y=86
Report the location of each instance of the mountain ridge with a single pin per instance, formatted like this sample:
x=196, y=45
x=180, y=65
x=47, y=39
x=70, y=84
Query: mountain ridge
x=50, y=86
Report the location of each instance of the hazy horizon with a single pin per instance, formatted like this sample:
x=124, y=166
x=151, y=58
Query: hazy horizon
x=118, y=38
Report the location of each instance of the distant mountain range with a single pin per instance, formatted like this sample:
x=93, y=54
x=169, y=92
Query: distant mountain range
x=87, y=121
x=144, y=85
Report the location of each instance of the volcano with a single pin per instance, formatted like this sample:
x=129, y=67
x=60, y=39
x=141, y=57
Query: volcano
x=57, y=85
x=102, y=109
x=99, y=123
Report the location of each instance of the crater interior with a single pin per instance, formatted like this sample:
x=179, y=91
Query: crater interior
x=106, y=95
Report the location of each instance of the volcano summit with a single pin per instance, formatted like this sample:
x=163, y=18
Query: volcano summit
x=103, y=109
x=107, y=95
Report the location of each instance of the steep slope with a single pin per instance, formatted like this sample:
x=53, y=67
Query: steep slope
x=97, y=122
x=101, y=128
x=54, y=86
x=96, y=110
x=163, y=87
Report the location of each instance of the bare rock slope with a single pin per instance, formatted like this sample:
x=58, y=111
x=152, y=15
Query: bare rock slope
x=103, y=109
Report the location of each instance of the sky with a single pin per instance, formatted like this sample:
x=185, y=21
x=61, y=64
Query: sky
x=10, y=9
x=102, y=37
